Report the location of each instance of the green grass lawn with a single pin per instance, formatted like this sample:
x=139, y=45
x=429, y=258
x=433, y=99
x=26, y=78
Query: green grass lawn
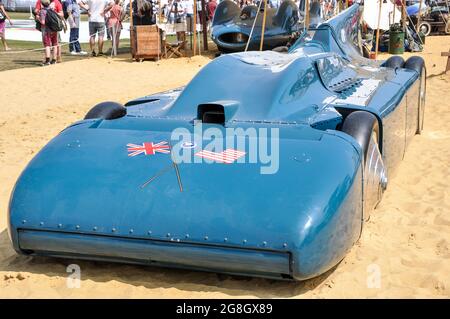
x=15, y=60
x=33, y=55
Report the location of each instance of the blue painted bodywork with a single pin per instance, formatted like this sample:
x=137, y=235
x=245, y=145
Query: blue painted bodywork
x=81, y=195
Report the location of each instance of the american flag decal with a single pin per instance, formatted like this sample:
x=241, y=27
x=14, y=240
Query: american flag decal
x=228, y=156
x=148, y=148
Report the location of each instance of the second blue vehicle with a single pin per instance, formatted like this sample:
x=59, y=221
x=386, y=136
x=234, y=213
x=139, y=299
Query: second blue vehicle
x=234, y=30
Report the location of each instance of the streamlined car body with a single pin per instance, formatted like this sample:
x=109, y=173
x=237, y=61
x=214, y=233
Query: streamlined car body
x=232, y=27
x=321, y=131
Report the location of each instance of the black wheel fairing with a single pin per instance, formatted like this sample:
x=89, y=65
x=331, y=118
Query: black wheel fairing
x=394, y=62
x=360, y=125
x=417, y=64
x=106, y=111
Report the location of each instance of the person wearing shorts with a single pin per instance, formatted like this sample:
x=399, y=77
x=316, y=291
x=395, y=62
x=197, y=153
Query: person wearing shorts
x=49, y=37
x=56, y=6
x=114, y=23
x=3, y=17
x=96, y=14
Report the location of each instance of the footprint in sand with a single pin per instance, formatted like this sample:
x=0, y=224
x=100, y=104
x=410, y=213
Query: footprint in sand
x=442, y=249
x=441, y=220
x=432, y=282
x=413, y=261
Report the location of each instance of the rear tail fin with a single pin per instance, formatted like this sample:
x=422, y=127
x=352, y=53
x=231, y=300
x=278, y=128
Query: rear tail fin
x=225, y=11
x=287, y=15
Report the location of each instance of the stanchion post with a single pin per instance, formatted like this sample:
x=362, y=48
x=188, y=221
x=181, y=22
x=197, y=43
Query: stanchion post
x=418, y=16
x=306, y=14
x=204, y=26
x=263, y=26
x=378, y=29
x=194, y=27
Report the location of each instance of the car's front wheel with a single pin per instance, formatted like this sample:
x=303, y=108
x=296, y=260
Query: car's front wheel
x=425, y=28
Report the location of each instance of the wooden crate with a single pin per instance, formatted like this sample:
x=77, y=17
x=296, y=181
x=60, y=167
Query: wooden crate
x=145, y=42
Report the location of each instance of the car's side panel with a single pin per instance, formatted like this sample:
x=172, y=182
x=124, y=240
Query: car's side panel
x=394, y=124
x=412, y=111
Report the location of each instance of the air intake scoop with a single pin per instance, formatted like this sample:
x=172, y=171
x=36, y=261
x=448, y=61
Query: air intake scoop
x=217, y=112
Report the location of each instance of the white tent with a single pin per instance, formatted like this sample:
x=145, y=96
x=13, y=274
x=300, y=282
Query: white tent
x=370, y=14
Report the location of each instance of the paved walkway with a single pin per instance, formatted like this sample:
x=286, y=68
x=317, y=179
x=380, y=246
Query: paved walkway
x=25, y=30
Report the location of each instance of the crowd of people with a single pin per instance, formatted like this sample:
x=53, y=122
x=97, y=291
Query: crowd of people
x=106, y=16
x=52, y=17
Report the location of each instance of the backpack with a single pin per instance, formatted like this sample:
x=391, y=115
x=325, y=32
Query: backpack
x=53, y=22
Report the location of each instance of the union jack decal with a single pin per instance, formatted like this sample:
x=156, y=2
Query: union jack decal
x=148, y=148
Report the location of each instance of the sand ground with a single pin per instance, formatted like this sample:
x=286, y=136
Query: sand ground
x=407, y=238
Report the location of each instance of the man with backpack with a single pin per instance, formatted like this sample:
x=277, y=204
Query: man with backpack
x=71, y=9
x=58, y=24
x=51, y=23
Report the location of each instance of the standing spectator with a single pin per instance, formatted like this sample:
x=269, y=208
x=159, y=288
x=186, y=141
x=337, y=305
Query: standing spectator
x=200, y=13
x=211, y=8
x=3, y=17
x=274, y=3
x=56, y=6
x=168, y=12
x=189, y=5
x=108, y=31
x=146, y=13
x=115, y=11
x=143, y=12
x=49, y=37
x=73, y=11
x=179, y=11
x=96, y=14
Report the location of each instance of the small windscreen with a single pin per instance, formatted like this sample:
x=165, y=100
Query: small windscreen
x=335, y=73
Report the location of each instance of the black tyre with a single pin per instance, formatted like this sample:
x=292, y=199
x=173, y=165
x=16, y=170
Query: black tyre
x=417, y=64
x=106, y=111
x=361, y=126
x=425, y=28
x=394, y=62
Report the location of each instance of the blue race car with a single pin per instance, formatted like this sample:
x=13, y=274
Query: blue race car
x=142, y=184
